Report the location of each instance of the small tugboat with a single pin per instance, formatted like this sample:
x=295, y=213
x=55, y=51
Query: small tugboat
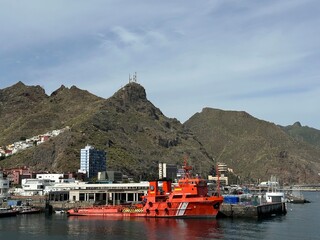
x=189, y=199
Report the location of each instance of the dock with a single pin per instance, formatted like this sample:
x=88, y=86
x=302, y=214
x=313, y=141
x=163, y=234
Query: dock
x=251, y=211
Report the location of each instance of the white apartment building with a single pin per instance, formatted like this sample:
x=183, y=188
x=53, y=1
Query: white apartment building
x=55, y=177
x=33, y=187
x=4, y=187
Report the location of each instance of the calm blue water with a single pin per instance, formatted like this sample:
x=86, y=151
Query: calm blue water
x=301, y=222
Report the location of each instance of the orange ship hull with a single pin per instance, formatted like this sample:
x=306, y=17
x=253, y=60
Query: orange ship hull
x=189, y=199
x=203, y=209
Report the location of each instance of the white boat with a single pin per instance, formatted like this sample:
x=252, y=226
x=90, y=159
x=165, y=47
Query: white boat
x=59, y=211
x=27, y=209
x=273, y=195
x=7, y=212
x=295, y=196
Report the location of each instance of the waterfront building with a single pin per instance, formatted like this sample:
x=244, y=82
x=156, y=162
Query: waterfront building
x=92, y=161
x=101, y=176
x=15, y=175
x=168, y=171
x=106, y=193
x=4, y=187
x=222, y=169
x=31, y=187
x=180, y=173
x=55, y=177
x=115, y=176
x=65, y=192
x=223, y=174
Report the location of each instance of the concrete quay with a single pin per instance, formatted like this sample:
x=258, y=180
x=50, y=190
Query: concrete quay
x=251, y=211
x=237, y=210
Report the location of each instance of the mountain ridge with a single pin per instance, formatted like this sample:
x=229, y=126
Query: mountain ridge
x=131, y=129
x=303, y=133
x=137, y=135
x=254, y=147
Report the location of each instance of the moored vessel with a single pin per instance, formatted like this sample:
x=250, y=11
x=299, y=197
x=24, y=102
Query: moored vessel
x=27, y=210
x=188, y=199
x=7, y=212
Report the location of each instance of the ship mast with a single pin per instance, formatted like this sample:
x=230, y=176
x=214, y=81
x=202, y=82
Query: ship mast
x=186, y=168
x=218, y=180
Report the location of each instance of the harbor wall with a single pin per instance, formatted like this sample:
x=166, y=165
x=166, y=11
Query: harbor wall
x=41, y=202
x=233, y=210
x=65, y=205
x=250, y=211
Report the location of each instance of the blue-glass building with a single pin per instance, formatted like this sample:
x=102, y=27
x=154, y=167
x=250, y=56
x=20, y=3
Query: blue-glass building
x=92, y=161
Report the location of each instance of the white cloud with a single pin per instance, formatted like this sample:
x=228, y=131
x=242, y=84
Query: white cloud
x=238, y=55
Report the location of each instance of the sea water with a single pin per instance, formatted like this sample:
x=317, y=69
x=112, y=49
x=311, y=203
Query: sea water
x=300, y=222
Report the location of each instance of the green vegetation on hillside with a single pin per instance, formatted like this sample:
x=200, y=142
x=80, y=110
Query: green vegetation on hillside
x=304, y=133
x=255, y=149
x=137, y=136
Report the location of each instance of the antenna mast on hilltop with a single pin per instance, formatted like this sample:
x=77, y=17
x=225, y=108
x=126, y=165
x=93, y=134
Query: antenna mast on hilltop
x=134, y=77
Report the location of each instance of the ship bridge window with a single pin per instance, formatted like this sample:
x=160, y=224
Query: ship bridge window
x=177, y=196
x=190, y=196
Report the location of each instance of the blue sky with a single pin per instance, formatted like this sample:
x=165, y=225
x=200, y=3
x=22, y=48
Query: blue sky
x=262, y=57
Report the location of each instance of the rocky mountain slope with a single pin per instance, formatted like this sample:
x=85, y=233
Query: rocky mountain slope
x=255, y=149
x=303, y=133
x=135, y=134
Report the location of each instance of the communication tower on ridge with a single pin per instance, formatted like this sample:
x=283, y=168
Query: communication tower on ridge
x=134, y=77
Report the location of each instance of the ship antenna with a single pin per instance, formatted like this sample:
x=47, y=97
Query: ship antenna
x=186, y=168
x=134, y=77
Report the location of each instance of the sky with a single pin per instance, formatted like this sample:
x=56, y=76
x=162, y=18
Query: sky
x=262, y=57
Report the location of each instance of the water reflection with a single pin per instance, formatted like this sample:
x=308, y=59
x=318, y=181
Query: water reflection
x=301, y=222
x=144, y=228
x=183, y=229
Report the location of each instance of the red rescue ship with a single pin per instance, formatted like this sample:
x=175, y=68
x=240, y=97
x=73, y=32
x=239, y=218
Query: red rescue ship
x=189, y=199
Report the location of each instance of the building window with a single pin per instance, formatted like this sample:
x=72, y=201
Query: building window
x=81, y=197
x=91, y=196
